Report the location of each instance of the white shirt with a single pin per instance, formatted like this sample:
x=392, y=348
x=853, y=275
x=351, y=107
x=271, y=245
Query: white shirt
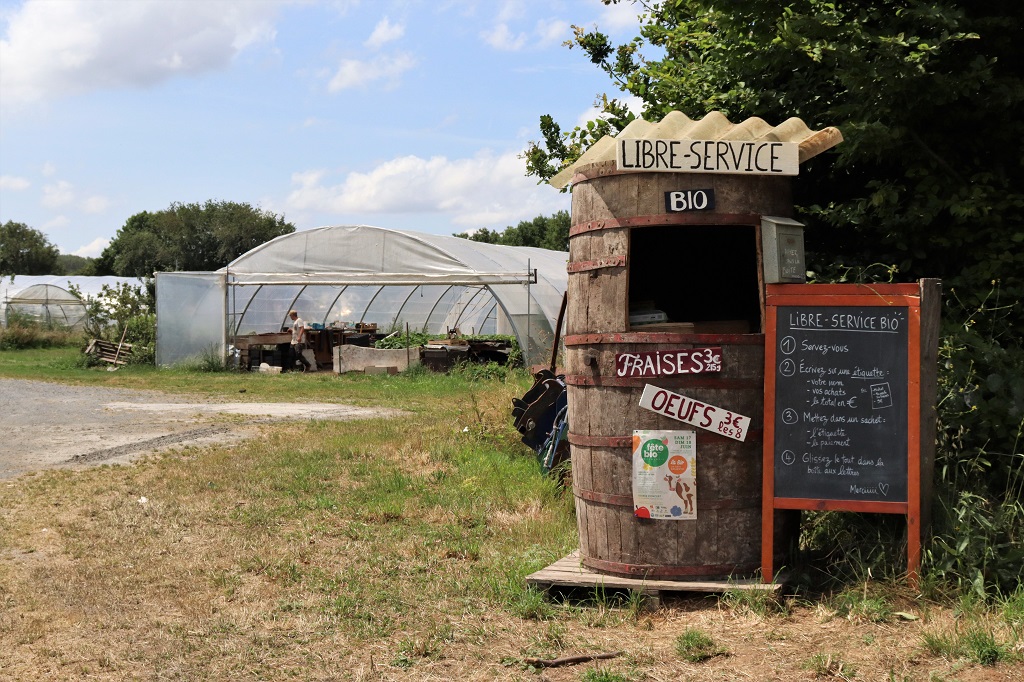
x=297, y=330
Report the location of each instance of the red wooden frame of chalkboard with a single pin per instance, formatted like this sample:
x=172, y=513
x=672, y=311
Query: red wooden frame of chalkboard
x=922, y=303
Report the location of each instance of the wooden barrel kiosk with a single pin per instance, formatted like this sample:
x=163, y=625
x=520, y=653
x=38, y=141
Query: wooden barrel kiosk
x=629, y=256
x=698, y=267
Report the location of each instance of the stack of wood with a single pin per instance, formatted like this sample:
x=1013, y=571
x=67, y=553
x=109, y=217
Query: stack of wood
x=107, y=351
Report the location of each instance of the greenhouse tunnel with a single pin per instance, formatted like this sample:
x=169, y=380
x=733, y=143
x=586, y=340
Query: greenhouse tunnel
x=46, y=304
x=363, y=274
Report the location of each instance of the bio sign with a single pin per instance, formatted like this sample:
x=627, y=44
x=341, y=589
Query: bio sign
x=743, y=157
x=690, y=411
x=683, y=201
x=665, y=363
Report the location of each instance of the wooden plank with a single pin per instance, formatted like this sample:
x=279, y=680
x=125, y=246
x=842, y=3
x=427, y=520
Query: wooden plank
x=568, y=572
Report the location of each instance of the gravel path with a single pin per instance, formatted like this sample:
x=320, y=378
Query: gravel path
x=50, y=425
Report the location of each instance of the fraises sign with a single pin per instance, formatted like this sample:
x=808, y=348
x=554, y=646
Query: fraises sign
x=690, y=411
x=666, y=363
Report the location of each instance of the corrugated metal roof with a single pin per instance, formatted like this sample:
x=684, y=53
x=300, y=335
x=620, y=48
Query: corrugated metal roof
x=715, y=126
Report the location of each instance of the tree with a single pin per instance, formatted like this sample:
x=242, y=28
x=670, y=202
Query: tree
x=926, y=93
x=25, y=251
x=542, y=232
x=74, y=265
x=199, y=237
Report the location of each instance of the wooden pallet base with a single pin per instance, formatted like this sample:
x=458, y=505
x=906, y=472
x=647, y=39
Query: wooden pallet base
x=569, y=573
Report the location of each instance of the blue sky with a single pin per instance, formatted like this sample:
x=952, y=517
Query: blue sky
x=407, y=114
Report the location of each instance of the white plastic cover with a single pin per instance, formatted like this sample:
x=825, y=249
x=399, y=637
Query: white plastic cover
x=48, y=304
x=192, y=306
x=88, y=286
x=359, y=273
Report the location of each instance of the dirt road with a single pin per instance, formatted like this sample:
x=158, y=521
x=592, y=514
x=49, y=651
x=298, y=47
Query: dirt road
x=52, y=425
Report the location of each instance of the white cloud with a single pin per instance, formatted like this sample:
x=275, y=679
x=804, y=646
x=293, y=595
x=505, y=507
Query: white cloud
x=92, y=249
x=60, y=194
x=553, y=31
x=510, y=9
x=385, y=32
x=501, y=38
x=485, y=190
x=96, y=204
x=49, y=170
x=620, y=16
x=13, y=182
x=353, y=73
x=53, y=49
x=56, y=223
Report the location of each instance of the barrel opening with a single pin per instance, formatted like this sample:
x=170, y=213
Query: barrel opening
x=695, y=278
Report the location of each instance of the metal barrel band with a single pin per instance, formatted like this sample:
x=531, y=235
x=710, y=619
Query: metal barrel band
x=660, y=571
x=663, y=337
x=681, y=219
x=617, y=500
x=598, y=264
x=686, y=380
x=583, y=440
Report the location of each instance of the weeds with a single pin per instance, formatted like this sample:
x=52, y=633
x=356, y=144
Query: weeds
x=976, y=642
x=603, y=675
x=978, y=634
x=696, y=646
x=531, y=604
x=858, y=605
x=22, y=331
x=830, y=665
x=760, y=602
x=211, y=359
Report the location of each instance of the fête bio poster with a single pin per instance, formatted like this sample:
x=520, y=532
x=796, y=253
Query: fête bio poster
x=664, y=475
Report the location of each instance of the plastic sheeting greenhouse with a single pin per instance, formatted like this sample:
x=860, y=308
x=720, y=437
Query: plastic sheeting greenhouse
x=362, y=274
x=46, y=304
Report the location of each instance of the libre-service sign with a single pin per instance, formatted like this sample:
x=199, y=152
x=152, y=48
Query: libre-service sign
x=666, y=363
x=664, y=475
x=690, y=411
x=742, y=157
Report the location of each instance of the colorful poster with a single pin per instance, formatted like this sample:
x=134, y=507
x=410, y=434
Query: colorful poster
x=665, y=475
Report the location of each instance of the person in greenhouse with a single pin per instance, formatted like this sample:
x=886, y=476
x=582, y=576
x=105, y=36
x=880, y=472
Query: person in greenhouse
x=298, y=342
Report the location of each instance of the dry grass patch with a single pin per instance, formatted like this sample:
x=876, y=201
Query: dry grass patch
x=377, y=550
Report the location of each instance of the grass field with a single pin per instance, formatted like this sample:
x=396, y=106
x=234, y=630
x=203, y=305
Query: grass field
x=391, y=549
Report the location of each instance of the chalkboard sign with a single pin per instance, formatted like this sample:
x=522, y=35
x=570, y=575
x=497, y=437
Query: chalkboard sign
x=849, y=422
x=841, y=403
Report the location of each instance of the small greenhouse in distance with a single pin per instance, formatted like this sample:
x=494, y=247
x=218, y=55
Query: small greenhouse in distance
x=46, y=304
x=371, y=275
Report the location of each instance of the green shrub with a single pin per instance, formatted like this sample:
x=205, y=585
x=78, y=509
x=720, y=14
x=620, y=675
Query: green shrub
x=979, y=487
x=140, y=332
